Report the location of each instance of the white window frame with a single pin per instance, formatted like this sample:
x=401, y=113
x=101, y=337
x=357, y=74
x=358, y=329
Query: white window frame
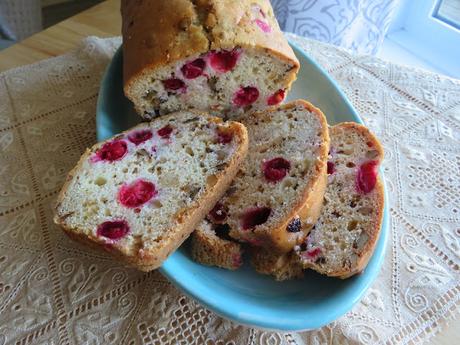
x=427, y=37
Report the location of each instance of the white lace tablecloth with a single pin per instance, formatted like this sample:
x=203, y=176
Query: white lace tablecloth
x=54, y=291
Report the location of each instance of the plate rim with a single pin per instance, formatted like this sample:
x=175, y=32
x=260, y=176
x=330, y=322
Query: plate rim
x=307, y=321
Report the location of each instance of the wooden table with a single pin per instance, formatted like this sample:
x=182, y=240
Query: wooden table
x=104, y=20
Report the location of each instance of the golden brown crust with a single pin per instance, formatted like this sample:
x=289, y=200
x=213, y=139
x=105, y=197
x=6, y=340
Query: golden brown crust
x=309, y=203
x=159, y=32
x=152, y=257
x=208, y=249
x=232, y=26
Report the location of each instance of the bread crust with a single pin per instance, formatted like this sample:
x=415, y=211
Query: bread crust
x=159, y=32
x=281, y=267
x=186, y=220
x=209, y=249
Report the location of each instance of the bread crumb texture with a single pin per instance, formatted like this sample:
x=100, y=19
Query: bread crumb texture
x=345, y=235
x=131, y=192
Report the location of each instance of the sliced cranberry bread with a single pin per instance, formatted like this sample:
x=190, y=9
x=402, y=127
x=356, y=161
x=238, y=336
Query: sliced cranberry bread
x=222, y=56
x=345, y=236
x=261, y=185
x=211, y=245
x=281, y=267
x=140, y=194
x=277, y=194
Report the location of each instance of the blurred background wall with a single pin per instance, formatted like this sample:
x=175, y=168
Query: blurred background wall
x=358, y=25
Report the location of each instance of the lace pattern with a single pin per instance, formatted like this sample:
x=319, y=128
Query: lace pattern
x=55, y=291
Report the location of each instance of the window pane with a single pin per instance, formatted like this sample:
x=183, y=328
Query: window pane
x=449, y=12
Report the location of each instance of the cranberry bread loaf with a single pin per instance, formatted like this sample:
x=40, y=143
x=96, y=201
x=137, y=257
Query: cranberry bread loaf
x=211, y=245
x=345, y=236
x=222, y=56
x=277, y=194
x=140, y=194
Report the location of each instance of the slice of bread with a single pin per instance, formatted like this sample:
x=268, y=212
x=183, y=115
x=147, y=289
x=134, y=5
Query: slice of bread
x=225, y=57
x=273, y=133
x=277, y=195
x=212, y=246
x=345, y=236
x=141, y=193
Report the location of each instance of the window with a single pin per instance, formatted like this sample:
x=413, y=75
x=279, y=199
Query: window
x=429, y=30
x=448, y=11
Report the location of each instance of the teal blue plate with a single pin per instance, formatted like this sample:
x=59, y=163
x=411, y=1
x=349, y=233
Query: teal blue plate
x=244, y=296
